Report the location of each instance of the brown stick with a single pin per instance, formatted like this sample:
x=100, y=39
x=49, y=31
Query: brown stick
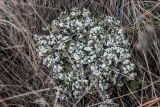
x=150, y=102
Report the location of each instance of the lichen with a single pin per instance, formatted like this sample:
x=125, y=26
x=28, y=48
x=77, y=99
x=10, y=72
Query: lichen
x=81, y=49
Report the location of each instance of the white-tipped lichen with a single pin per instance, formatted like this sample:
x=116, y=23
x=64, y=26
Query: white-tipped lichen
x=82, y=49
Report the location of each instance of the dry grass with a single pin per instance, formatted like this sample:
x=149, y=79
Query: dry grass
x=26, y=83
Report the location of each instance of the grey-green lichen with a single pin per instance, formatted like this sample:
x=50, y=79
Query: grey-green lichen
x=82, y=49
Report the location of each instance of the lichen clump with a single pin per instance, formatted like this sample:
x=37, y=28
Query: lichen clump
x=83, y=49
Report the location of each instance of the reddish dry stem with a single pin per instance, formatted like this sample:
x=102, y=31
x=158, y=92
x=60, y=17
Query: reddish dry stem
x=150, y=102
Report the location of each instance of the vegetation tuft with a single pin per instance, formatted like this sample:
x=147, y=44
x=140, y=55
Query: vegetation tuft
x=26, y=82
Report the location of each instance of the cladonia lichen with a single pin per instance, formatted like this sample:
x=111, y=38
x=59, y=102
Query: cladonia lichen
x=83, y=50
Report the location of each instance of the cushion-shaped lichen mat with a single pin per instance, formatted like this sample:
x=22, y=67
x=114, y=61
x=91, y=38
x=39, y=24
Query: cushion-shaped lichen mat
x=84, y=52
